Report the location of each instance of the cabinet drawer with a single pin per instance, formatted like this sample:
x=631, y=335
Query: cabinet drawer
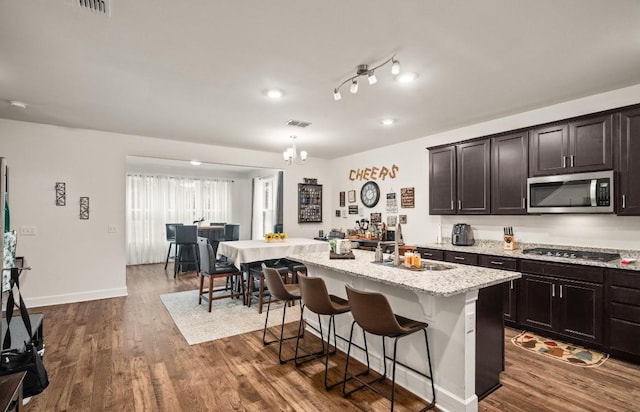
x=497, y=262
x=624, y=278
x=461, y=257
x=624, y=295
x=431, y=254
x=625, y=312
x=625, y=336
x=577, y=272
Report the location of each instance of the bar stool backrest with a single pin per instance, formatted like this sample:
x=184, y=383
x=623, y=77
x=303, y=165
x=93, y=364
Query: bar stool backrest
x=171, y=231
x=275, y=283
x=186, y=234
x=315, y=296
x=373, y=312
x=205, y=253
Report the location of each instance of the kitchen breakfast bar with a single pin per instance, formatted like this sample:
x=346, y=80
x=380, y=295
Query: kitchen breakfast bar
x=462, y=305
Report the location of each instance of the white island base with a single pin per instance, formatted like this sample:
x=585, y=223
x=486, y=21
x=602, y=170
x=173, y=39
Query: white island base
x=451, y=319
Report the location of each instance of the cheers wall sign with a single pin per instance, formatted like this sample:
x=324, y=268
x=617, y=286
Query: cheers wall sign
x=374, y=173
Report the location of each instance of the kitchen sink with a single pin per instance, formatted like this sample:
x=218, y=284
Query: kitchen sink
x=425, y=266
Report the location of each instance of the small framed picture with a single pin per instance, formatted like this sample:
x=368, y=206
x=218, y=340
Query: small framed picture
x=352, y=196
x=338, y=213
x=342, y=196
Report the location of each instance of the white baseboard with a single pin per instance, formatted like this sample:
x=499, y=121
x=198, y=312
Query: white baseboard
x=75, y=297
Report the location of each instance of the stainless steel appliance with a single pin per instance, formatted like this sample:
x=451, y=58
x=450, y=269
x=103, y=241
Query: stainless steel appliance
x=574, y=193
x=573, y=254
x=462, y=235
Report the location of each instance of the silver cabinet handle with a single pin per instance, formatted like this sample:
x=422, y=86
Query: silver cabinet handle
x=573, y=158
x=459, y=204
x=624, y=201
x=511, y=285
x=553, y=290
x=451, y=204
x=564, y=161
x=427, y=254
x=458, y=258
x=524, y=201
x=560, y=291
x=495, y=262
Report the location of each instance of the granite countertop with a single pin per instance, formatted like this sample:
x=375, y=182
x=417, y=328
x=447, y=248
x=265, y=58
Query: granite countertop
x=459, y=279
x=495, y=248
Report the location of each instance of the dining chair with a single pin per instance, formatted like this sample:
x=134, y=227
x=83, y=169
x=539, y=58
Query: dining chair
x=171, y=238
x=186, y=241
x=256, y=287
x=213, y=269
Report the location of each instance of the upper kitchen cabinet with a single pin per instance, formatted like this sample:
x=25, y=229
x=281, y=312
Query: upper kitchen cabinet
x=442, y=181
x=474, y=179
x=628, y=190
x=583, y=145
x=509, y=171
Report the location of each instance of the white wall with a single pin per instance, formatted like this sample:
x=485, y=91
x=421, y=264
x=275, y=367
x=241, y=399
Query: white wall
x=607, y=231
x=76, y=260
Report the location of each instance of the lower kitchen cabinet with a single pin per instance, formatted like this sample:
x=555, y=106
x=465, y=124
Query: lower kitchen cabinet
x=510, y=302
x=623, y=290
x=567, y=307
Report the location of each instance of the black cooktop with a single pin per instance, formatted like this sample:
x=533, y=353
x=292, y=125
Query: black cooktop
x=573, y=254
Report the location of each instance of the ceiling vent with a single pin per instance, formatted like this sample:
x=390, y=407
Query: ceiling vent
x=99, y=6
x=297, y=123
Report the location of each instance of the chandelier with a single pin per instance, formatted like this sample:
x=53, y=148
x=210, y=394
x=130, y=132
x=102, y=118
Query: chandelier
x=364, y=70
x=291, y=155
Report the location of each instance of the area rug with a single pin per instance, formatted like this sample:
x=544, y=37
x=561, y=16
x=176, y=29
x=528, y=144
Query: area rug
x=228, y=317
x=565, y=352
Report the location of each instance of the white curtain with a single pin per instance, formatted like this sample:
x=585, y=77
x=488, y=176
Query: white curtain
x=153, y=201
x=265, y=205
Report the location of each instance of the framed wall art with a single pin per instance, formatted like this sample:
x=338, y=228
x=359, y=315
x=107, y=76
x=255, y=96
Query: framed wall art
x=309, y=203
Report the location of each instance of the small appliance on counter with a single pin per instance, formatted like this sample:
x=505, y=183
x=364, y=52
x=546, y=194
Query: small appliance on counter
x=462, y=235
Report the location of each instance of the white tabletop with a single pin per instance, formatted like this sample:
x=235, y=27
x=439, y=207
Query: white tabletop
x=245, y=251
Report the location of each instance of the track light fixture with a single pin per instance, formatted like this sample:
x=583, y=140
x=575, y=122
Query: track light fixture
x=364, y=70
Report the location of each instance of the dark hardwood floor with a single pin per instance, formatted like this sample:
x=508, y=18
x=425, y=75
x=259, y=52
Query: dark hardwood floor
x=127, y=354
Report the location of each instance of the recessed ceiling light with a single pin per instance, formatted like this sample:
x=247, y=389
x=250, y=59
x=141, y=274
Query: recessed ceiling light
x=387, y=122
x=407, y=77
x=274, y=93
x=16, y=103
x=195, y=163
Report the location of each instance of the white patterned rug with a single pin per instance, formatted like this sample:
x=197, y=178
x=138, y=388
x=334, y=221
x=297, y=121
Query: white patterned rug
x=228, y=317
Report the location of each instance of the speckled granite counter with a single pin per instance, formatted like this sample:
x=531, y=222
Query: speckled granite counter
x=459, y=279
x=490, y=247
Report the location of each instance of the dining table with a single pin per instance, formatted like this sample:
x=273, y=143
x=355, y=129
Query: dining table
x=241, y=252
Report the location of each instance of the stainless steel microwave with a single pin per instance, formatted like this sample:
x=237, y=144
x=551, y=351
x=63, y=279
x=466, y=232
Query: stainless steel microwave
x=574, y=193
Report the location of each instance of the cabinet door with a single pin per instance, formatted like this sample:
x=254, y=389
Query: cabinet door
x=580, y=310
x=537, y=303
x=628, y=190
x=442, y=181
x=590, y=144
x=548, y=150
x=474, y=177
x=509, y=171
x=510, y=300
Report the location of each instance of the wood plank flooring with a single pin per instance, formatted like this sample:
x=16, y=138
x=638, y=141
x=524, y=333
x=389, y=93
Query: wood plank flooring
x=127, y=354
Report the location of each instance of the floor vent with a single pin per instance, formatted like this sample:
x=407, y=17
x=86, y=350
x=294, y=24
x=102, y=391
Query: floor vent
x=297, y=123
x=99, y=6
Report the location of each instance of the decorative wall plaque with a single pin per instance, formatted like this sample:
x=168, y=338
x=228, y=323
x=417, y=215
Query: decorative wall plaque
x=407, y=197
x=309, y=203
x=353, y=209
x=376, y=218
x=392, y=203
x=61, y=194
x=403, y=219
x=84, y=208
x=342, y=202
x=352, y=196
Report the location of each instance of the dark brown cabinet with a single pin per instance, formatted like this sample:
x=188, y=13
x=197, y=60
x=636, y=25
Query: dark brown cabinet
x=583, y=145
x=552, y=299
x=442, y=181
x=623, y=290
x=510, y=302
x=473, y=177
x=509, y=171
x=628, y=190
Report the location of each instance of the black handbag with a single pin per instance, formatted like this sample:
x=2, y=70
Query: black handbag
x=29, y=360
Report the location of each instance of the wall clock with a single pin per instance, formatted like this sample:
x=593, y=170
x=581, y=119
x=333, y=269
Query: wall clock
x=370, y=194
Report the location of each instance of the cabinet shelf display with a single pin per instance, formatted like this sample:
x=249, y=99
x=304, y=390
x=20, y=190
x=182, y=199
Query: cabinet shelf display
x=309, y=203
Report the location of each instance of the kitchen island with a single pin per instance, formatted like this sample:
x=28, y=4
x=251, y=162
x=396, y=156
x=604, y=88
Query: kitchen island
x=461, y=304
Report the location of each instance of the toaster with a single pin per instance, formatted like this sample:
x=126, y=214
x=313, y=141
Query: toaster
x=462, y=235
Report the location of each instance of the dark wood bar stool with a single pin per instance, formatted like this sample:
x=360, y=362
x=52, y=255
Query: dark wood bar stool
x=286, y=293
x=171, y=238
x=213, y=269
x=372, y=312
x=316, y=298
x=187, y=242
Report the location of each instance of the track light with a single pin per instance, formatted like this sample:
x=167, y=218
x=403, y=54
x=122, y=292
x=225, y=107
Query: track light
x=354, y=86
x=372, y=78
x=395, y=66
x=364, y=70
